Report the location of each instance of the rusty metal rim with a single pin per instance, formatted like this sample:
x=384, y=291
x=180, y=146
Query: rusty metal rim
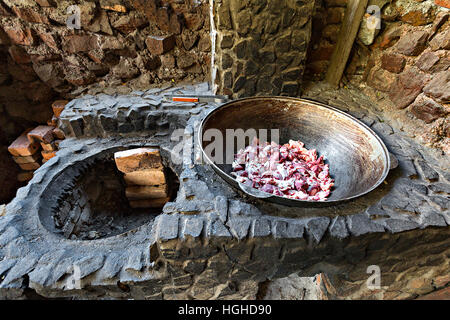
x=288, y=201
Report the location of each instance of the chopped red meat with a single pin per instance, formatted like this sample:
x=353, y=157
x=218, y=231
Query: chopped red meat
x=288, y=170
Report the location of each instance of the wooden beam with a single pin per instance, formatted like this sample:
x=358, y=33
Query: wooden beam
x=349, y=29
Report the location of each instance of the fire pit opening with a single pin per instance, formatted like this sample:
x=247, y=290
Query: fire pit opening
x=94, y=204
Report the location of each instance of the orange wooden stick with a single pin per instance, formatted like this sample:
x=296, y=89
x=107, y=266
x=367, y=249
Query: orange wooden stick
x=185, y=99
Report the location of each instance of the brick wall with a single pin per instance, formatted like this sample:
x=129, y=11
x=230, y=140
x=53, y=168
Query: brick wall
x=407, y=64
x=136, y=42
x=404, y=65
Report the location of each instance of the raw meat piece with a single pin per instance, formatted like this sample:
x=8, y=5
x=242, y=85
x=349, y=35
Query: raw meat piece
x=288, y=170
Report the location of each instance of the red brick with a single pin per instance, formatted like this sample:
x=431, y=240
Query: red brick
x=439, y=87
x=160, y=44
x=116, y=6
x=426, y=109
x=441, y=40
x=20, y=34
x=58, y=107
x=96, y=55
x=58, y=134
x=417, y=17
x=138, y=159
x=53, y=122
x=130, y=22
x=29, y=166
x=49, y=39
x=168, y=61
x=80, y=43
x=151, y=203
x=407, y=87
x=443, y=294
x=393, y=62
x=41, y=134
x=33, y=158
x=149, y=177
x=443, y=3
x=412, y=43
x=163, y=19
x=175, y=24
x=23, y=147
x=427, y=61
x=146, y=192
x=25, y=176
x=46, y=3
x=47, y=155
x=194, y=21
x=79, y=77
x=439, y=21
x=381, y=79
x=148, y=7
x=30, y=15
x=19, y=55
x=389, y=37
x=48, y=147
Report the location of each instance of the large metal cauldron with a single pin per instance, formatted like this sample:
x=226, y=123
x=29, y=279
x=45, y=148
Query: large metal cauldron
x=358, y=159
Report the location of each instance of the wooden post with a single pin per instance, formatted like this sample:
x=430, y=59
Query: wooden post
x=347, y=34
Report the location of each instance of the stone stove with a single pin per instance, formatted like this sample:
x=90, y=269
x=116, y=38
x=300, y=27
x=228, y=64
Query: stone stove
x=210, y=241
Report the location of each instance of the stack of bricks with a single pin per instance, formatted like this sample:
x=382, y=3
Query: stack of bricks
x=26, y=154
x=146, y=185
x=36, y=146
x=49, y=148
x=44, y=136
x=57, y=107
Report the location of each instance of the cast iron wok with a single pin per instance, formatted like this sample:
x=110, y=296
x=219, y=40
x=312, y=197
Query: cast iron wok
x=358, y=159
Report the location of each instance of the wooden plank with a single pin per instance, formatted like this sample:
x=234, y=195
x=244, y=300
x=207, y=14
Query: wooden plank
x=349, y=29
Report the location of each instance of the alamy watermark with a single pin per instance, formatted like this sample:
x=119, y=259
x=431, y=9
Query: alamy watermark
x=374, y=281
x=220, y=146
x=74, y=19
x=374, y=19
x=73, y=281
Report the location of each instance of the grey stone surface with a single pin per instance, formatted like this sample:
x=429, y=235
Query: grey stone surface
x=263, y=241
x=192, y=226
x=245, y=50
x=338, y=228
x=317, y=227
x=261, y=228
x=360, y=224
x=239, y=227
x=167, y=226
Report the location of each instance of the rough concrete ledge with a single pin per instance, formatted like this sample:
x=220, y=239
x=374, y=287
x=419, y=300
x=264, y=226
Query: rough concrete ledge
x=213, y=241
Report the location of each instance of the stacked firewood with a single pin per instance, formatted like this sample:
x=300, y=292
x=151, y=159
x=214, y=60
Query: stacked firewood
x=146, y=184
x=36, y=146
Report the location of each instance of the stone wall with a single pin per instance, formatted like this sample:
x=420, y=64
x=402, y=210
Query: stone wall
x=261, y=46
x=139, y=43
x=121, y=43
x=408, y=64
